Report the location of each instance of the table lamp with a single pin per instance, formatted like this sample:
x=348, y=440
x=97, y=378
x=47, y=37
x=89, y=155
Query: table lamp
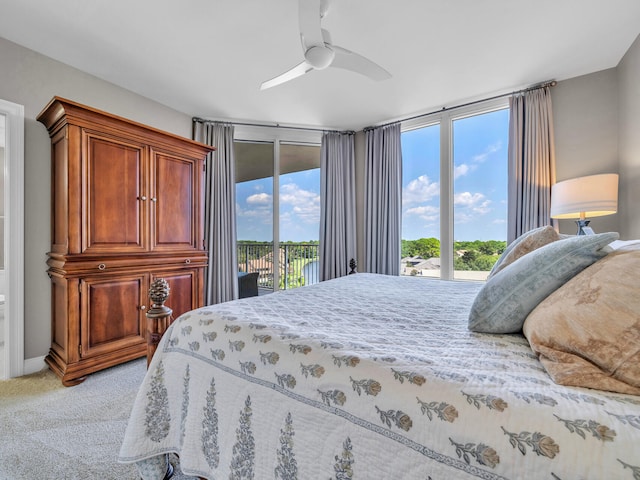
x=591, y=196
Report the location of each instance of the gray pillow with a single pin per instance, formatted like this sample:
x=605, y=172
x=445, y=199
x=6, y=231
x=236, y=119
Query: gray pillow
x=504, y=302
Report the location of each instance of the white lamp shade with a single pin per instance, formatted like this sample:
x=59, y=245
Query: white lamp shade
x=592, y=196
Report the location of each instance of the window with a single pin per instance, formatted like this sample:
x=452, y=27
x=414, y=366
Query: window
x=278, y=209
x=454, y=198
x=421, y=201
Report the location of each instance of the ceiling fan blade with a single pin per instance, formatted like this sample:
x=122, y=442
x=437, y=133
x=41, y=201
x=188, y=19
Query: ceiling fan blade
x=295, y=72
x=354, y=62
x=309, y=16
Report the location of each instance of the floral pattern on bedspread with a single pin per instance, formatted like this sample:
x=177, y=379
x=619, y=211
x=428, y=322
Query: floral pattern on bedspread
x=369, y=376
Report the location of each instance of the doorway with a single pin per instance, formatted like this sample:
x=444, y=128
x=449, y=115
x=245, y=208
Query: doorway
x=12, y=235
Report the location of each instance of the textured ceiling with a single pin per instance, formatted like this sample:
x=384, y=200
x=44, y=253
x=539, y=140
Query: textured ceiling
x=207, y=58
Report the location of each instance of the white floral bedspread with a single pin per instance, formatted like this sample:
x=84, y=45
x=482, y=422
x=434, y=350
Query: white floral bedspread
x=364, y=377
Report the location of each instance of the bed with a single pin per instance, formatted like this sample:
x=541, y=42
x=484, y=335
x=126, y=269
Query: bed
x=372, y=376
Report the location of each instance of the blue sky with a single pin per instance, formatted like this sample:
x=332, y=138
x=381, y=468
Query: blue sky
x=299, y=207
x=480, y=188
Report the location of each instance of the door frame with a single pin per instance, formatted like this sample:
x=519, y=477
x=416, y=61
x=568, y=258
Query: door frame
x=13, y=239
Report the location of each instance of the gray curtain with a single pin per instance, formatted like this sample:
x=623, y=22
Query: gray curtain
x=383, y=199
x=532, y=162
x=221, y=280
x=338, y=204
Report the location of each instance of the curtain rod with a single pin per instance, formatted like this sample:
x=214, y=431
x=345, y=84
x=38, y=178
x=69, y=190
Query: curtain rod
x=277, y=125
x=550, y=83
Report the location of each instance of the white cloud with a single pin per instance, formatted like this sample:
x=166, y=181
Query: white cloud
x=474, y=202
x=260, y=199
x=463, y=217
x=461, y=170
x=305, y=204
x=426, y=209
x=259, y=208
x=467, y=199
x=291, y=193
x=493, y=148
x=483, y=208
x=464, y=169
x=262, y=213
x=420, y=190
x=426, y=212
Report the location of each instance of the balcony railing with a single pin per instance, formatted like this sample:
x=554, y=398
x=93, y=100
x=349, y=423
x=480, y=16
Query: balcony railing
x=297, y=263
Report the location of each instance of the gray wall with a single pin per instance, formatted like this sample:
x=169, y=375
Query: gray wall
x=585, y=116
x=31, y=79
x=597, y=127
x=629, y=141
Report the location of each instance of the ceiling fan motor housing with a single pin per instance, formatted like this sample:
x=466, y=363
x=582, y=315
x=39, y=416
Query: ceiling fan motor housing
x=319, y=57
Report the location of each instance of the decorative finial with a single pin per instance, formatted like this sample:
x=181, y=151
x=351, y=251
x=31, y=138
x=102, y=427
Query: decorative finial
x=158, y=316
x=159, y=292
x=353, y=265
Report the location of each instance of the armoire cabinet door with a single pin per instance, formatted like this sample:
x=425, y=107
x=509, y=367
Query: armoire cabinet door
x=112, y=313
x=115, y=200
x=183, y=290
x=175, y=182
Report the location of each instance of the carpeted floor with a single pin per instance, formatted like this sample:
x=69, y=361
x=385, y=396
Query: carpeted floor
x=48, y=431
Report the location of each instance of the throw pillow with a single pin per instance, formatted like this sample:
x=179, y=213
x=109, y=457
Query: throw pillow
x=503, y=303
x=525, y=243
x=587, y=333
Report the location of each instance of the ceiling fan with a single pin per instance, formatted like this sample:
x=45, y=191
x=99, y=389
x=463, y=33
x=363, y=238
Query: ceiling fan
x=320, y=53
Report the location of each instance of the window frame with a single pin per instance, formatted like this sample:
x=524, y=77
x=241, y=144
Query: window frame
x=445, y=118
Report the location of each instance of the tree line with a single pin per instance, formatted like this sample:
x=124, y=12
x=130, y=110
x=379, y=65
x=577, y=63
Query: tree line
x=475, y=255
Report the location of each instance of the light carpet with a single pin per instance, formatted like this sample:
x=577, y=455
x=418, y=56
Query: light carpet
x=48, y=431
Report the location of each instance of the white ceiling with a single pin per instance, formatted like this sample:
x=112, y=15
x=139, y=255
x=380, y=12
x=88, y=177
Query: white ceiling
x=207, y=58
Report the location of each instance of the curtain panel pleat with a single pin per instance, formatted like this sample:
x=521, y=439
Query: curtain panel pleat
x=338, y=204
x=221, y=279
x=532, y=163
x=383, y=199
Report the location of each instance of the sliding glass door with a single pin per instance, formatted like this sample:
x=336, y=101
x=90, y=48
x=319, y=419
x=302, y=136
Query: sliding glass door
x=299, y=214
x=278, y=210
x=254, y=209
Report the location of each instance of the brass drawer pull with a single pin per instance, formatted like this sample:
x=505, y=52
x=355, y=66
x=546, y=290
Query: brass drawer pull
x=187, y=261
x=102, y=266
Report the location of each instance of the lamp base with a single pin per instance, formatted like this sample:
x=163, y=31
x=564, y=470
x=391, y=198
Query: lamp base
x=581, y=225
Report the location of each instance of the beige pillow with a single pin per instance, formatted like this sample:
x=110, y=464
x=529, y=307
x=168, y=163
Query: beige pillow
x=525, y=243
x=587, y=333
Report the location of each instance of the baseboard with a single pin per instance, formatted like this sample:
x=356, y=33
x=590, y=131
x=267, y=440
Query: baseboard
x=33, y=365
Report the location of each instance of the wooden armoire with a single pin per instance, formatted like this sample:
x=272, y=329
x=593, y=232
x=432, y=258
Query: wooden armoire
x=127, y=208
